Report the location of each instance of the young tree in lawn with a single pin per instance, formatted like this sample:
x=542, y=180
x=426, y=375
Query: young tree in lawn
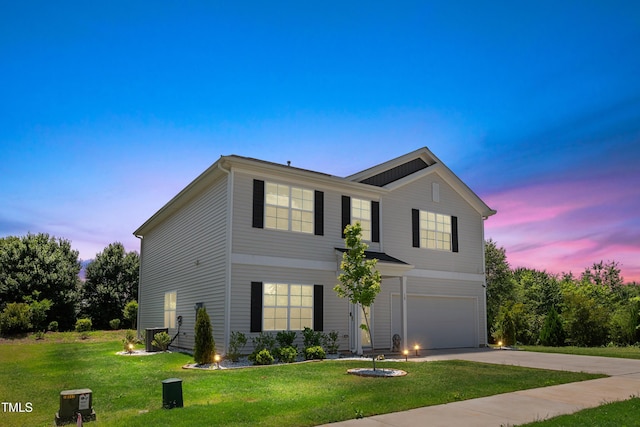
x=359, y=280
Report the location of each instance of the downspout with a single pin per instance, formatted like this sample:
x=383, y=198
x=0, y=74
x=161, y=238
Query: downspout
x=484, y=283
x=227, y=299
x=138, y=317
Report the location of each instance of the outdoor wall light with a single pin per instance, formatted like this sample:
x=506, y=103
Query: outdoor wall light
x=216, y=359
x=406, y=355
x=416, y=348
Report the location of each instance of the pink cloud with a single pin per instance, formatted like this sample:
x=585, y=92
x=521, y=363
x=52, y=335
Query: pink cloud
x=562, y=227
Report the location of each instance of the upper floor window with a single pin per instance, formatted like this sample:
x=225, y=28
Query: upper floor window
x=435, y=231
x=361, y=212
x=289, y=208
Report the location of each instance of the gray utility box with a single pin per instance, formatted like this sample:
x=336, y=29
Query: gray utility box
x=149, y=333
x=172, y=393
x=73, y=402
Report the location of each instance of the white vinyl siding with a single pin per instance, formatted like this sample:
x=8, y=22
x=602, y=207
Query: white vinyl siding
x=186, y=253
x=170, y=309
x=361, y=212
x=435, y=231
x=288, y=208
x=287, y=307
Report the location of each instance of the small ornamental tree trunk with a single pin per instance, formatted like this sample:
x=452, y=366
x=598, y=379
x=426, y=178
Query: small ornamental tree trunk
x=205, y=347
x=359, y=280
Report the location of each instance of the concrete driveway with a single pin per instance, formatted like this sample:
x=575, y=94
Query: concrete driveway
x=521, y=406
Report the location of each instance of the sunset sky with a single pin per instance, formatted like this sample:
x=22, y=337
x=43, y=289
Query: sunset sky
x=107, y=110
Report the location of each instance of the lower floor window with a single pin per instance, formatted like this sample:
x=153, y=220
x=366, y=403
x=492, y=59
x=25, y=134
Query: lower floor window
x=170, y=309
x=287, y=307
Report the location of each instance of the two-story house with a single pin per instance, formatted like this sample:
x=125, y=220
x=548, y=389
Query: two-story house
x=259, y=245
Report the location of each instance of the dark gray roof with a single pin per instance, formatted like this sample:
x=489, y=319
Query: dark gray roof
x=396, y=173
x=380, y=256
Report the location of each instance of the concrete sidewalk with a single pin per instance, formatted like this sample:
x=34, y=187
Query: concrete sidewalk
x=521, y=406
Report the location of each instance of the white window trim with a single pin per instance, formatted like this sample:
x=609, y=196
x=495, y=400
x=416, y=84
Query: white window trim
x=290, y=208
x=438, y=231
x=288, y=307
x=366, y=231
x=170, y=309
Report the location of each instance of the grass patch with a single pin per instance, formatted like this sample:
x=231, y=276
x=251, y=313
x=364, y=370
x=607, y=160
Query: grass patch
x=630, y=352
x=127, y=390
x=613, y=414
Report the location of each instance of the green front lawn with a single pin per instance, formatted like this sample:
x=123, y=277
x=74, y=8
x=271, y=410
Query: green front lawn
x=127, y=390
x=630, y=352
x=616, y=414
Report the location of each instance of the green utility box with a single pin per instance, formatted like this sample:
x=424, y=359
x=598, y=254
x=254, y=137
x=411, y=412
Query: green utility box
x=74, y=402
x=172, y=393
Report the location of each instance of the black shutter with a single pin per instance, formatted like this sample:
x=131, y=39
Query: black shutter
x=346, y=213
x=318, y=210
x=258, y=203
x=256, y=306
x=415, y=227
x=318, y=308
x=454, y=234
x=375, y=221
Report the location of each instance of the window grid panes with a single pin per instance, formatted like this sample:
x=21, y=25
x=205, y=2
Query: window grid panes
x=361, y=212
x=170, y=309
x=435, y=231
x=287, y=307
x=288, y=208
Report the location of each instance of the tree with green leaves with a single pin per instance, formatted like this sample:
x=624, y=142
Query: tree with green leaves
x=130, y=312
x=499, y=278
x=39, y=267
x=359, y=280
x=111, y=282
x=205, y=347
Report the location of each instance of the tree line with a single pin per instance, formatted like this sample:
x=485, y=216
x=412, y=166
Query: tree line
x=530, y=307
x=40, y=287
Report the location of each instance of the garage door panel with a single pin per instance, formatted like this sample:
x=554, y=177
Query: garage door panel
x=438, y=322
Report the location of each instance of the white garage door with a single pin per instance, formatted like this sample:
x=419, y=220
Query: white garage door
x=438, y=322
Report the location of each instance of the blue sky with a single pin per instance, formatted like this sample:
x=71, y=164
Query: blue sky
x=108, y=110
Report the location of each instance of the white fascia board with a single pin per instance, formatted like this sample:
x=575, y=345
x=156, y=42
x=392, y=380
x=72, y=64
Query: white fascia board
x=317, y=179
x=446, y=275
x=269, y=261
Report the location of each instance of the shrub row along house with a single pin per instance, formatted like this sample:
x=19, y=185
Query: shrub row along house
x=259, y=245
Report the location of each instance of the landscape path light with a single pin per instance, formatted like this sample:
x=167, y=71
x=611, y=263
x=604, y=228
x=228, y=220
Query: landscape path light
x=416, y=348
x=406, y=355
x=216, y=359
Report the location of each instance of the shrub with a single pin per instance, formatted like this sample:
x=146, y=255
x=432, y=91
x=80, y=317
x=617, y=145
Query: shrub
x=286, y=338
x=287, y=354
x=53, y=326
x=114, y=323
x=264, y=357
x=129, y=338
x=314, y=353
x=552, y=332
x=15, y=318
x=161, y=340
x=331, y=342
x=39, y=311
x=237, y=341
x=83, y=325
x=130, y=312
x=205, y=347
x=263, y=341
x=312, y=338
x=39, y=335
